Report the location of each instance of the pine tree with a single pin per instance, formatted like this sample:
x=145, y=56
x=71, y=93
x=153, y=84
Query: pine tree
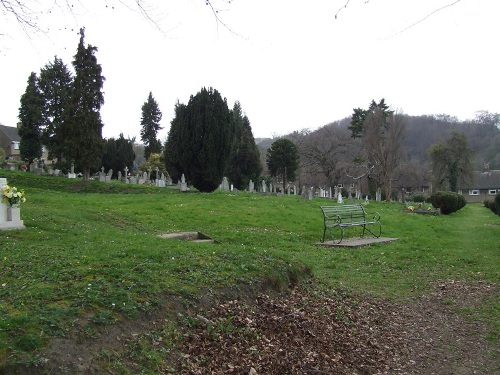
x=56, y=85
x=283, y=160
x=31, y=116
x=244, y=161
x=150, y=122
x=200, y=140
x=82, y=125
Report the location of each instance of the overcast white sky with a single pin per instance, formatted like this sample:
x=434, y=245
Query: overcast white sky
x=289, y=63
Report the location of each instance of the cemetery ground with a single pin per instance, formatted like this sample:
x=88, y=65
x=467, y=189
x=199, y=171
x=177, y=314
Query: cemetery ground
x=90, y=286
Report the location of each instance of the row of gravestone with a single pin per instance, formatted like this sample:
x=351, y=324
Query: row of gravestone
x=161, y=179
x=305, y=192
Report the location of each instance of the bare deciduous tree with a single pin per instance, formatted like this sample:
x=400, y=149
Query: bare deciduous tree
x=383, y=138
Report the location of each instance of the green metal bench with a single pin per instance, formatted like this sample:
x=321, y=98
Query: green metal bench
x=337, y=218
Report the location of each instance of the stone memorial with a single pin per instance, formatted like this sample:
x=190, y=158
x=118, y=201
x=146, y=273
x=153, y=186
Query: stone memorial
x=72, y=173
x=108, y=176
x=183, y=186
x=224, y=186
x=102, y=175
x=10, y=216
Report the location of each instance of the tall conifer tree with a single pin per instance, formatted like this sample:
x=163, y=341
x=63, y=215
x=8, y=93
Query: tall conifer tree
x=201, y=141
x=244, y=161
x=56, y=85
x=82, y=125
x=150, y=122
x=31, y=116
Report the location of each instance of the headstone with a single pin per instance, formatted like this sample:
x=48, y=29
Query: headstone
x=251, y=188
x=6, y=222
x=339, y=197
x=224, y=186
x=72, y=174
x=366, y=200
x=133, y=180
x=149, y=174
x=183, y=186
x=378, y=195
x=108, y=176
x=125, y=176
x=119, y=175
x=264, y=186
x=310, y=194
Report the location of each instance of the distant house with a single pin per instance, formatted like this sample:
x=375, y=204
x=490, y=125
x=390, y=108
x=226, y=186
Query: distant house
x=9, y=141
x=485, y=186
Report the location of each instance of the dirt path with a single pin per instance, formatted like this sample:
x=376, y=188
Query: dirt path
x=302, y=333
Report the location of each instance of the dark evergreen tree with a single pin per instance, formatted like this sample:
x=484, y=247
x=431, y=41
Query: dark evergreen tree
x=283, y=160
x=118, y=154
x=56, y=85
x=244, y=161
x=359, y=116
x=31, y=116
x=200, y=140
x=172, y=151
x=82, y=125
x=150, y=122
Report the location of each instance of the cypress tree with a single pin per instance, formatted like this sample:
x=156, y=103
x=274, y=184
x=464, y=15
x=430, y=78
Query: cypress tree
x=201, y=141
x=244, y=161
x=150, y=122
x=56, y=85
x=31, y=116
x=82, y=125
x=283, y=160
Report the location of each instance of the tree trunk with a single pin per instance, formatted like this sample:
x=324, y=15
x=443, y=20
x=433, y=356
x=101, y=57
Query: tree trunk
x=86, y=173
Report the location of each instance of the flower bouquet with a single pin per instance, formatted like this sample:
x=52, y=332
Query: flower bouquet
x=12, y=196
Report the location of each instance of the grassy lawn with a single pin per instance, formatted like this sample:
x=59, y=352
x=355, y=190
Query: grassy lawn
x=93, y=250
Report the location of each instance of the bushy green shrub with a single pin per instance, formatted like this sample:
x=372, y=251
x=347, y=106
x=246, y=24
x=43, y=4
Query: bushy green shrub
x=419, y=198
x=497, y=204
x=447, y=201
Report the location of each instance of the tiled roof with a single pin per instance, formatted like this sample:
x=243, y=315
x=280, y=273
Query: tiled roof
x=10, y=132
x=485, y=180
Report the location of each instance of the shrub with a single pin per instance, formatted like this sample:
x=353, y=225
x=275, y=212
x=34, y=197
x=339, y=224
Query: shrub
x=497, y=204
x=418, y=198
x=447, y=201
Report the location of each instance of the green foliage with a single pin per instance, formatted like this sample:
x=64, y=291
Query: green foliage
x=56, y=86
x=82, y=125
x=31, y=116
x=118, y=154
x=419, y=198
x=359, y=116
x=451, y=162
x=200, y=139
x=155, y=162
x=244, y=162
x=283, y=160
x=448, y=201
x=497, y=203
x=150, y=122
